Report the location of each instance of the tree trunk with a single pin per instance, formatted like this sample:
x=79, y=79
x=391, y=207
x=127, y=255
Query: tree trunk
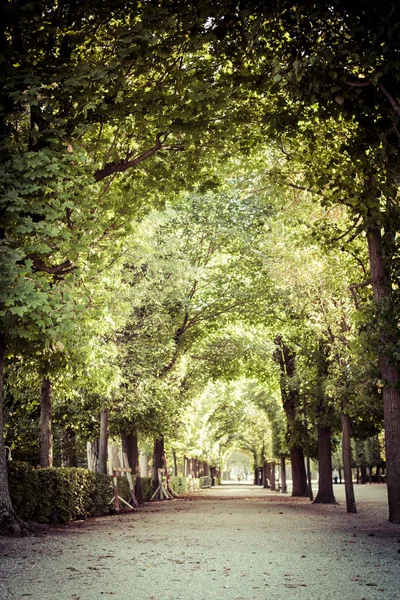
x=46, y=434
x=283, y=475
x=325, y=486
x=10, y=524
x=299, y=476
x=175, y=464
x=212, y=475
x=347, y=460
x=273, y=476
x=130, y=447
x=103, y=442
x=390, y=374
x=286, y=359
x=158, y=460
x=68, y=449
x=266, y=474
x=92, y=452
x=307, y=447
x=144, y=464
x=363, y=471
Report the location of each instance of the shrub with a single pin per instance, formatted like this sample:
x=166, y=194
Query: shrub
x=147, y=487
x=61, y=495
x=179, y=484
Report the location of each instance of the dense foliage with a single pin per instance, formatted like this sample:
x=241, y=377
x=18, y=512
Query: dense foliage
x=199, y=208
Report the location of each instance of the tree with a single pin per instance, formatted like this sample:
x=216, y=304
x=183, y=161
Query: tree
x=77, y=84
x=335, y=61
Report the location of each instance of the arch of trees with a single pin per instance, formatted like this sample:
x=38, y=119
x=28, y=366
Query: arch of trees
x=196, y=192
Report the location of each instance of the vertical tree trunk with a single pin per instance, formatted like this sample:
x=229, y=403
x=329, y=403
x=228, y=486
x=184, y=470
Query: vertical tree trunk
x=175, y=464
x=68, y=448
x=158, y=460
x=10, y=524
x=144, y=465
x=347, y=460
x=307, y=447
x=273, y=476
x=212, y=475
x=299, y=476
x=286, y=359
x=103, y=442
x=131, y=449
x=390, y=373
x=92, y=452
x=325, y=486
x=363, y=471
x=266, y=474
x=283, y=475
x=46, y=434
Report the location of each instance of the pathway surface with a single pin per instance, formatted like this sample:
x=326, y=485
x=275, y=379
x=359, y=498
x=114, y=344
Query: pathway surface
x=236, y=542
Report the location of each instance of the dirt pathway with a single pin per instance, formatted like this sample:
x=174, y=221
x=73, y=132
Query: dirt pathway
x=233, y=542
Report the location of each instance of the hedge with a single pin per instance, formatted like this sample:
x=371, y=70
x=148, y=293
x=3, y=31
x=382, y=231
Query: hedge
x=61, y=495
x=65, y=494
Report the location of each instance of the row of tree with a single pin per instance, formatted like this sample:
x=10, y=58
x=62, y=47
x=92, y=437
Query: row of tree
x=289, y=113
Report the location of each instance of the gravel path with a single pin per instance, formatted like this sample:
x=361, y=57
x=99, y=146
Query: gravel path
x=227, y=543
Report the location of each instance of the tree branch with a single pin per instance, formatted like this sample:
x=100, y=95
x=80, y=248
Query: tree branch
x=61, y=269
x=393, y=102
x=129, y=162
x=359, y=84
x=356, y=223
x=355, y=286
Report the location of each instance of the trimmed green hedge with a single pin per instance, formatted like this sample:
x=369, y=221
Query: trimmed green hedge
x=61, y=495
x=64, y=495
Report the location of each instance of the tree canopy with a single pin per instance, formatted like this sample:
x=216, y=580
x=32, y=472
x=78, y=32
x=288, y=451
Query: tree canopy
x=199, y=209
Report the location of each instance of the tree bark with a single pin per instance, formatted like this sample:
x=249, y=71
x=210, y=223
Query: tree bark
x=283, y=475
x=92, y=452
x=10, y=523
x=46, y=434
x=130, y=447
x=273, y=476
x=266, y=474
x=390, y=373
x=144, y=464
x=363, y=476
x=286, y=360
x=175, y=464
x=68, y=449
x=307, y=447
x=299, y=476
x=186, y=466
x=103, y=442
x=158, y=460
x=325, y=485
x=347, y=460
